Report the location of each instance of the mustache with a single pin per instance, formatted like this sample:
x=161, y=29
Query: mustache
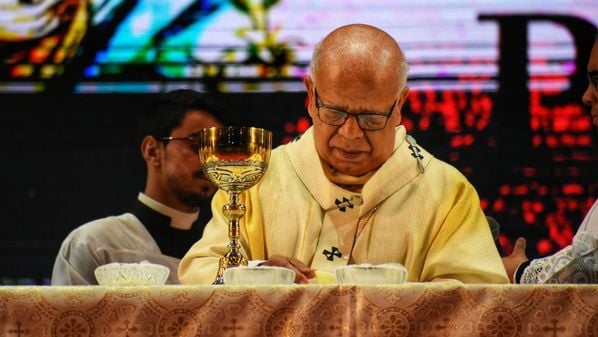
x=587, y=108
x=199, y=174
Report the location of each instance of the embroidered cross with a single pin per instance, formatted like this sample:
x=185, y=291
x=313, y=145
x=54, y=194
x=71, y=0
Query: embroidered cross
x=342, y=205
x=331, y=254
x=554, y=327
x=352, y=201
x=233, y=328
x=18, y=331
x=415, y=152
x=127, y=328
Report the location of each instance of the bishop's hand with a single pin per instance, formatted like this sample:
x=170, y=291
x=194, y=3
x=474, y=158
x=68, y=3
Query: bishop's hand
x=302, y=272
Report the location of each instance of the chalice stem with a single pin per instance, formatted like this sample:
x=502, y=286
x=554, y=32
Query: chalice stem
x=233, y=211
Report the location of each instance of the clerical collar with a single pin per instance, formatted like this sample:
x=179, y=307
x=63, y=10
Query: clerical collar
x=178, y=219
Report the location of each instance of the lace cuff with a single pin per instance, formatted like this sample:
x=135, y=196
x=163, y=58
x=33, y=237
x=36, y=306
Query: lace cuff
x=577, y=263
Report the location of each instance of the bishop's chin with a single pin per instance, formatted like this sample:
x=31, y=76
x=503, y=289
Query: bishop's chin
x=350, y=170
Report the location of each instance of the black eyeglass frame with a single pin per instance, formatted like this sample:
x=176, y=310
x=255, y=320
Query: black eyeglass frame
x=358, y=116
x=193, y=138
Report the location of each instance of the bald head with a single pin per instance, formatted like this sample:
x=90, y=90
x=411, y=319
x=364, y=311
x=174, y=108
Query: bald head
x=360, y=52
x=358, y=74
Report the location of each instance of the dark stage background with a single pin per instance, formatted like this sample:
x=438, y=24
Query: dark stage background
x=496, y=91
x=69, y=159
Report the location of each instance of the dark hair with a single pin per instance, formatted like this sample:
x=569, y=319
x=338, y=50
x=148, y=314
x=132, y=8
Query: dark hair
x=167, y=110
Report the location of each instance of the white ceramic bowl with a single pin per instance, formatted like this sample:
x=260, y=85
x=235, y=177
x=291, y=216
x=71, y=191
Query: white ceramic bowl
x=389, y=273
x=258, y=275
x=131, y=274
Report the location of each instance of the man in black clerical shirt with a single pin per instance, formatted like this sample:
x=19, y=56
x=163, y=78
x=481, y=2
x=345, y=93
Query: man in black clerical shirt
x=171, y=212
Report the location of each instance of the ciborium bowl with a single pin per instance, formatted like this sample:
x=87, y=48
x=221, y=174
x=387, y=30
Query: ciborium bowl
x=234, y=159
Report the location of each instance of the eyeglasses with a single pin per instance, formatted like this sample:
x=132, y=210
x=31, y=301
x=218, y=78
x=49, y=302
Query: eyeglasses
x=365, y=120
x=593, y=79
x=192, y=138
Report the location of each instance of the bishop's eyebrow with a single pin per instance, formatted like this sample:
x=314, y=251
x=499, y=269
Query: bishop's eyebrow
x=593, y=73
x=361, y=111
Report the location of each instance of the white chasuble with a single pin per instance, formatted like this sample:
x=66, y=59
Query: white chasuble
x=346, y=215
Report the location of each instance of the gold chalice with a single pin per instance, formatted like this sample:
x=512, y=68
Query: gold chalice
x=234, y=159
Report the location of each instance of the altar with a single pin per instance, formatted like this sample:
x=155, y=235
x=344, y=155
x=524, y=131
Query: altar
x=413, y=309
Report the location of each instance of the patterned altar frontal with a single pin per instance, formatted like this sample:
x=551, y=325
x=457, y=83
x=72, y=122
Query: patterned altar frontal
x=446, y=309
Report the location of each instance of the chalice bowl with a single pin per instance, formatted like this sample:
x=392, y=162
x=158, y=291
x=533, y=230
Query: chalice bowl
x=234, y=159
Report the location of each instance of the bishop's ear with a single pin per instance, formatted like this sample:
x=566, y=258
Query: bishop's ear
x=398, y=115
x=309, y=86
x=151, y=150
